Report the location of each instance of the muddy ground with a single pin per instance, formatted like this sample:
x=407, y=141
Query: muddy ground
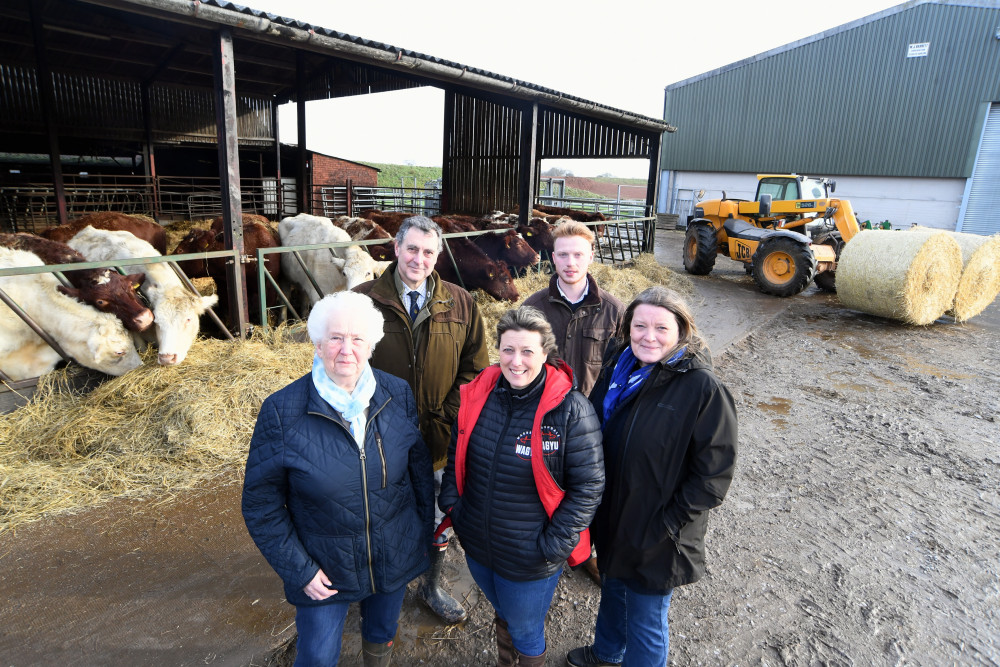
x=862, y=524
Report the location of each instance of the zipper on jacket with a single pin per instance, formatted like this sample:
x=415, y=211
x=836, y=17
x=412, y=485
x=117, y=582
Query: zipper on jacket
x=505, y=398
x=368, y=521
x=364, y=477
x=381, y=454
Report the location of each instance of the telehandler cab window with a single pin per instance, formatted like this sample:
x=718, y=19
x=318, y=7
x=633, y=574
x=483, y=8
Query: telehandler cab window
x=780, y=189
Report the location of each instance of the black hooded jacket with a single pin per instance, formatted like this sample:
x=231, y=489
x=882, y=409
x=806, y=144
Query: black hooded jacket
x=669, y=455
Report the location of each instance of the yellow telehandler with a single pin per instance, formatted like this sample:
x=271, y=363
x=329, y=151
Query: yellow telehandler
x=790, y=235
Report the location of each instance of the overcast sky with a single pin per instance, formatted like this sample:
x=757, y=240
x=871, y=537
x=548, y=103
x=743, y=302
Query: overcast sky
x=621, y=53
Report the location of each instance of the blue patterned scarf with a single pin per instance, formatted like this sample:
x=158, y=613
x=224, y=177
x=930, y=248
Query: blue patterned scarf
x=625, y=381
x=352, y=405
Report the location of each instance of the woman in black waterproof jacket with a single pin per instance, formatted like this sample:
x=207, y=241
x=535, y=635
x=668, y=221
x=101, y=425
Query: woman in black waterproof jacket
x=338, y=494
x=524, y=476
x=669, y=450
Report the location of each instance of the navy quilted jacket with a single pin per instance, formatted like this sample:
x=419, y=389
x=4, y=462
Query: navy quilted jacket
x=500, y=519
x=312, y=500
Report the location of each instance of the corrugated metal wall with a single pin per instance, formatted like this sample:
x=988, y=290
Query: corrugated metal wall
x=979, y=215
x=849, y=102
x=90, y=106
x=483, y=149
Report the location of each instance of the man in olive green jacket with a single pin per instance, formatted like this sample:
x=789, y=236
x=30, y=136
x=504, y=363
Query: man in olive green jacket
x=435, y=340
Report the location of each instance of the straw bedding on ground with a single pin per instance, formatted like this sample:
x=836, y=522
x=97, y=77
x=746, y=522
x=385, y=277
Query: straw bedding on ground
x=151, y=431
x=156, y=430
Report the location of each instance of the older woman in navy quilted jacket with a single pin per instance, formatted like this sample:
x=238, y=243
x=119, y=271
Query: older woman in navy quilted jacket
x=338, y=493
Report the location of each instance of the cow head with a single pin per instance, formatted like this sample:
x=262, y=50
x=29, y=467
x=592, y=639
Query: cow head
x=519, y=253
x=498, y=282
x=108, y=348
x=114, y=293
x=359, y=267
x=177, y=323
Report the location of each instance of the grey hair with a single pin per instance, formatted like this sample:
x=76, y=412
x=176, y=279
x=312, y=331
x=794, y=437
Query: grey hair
x=687, y=331
x=424, y=224
x=527, y=318
x=361, y=309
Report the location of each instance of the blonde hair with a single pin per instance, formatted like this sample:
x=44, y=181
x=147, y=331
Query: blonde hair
x=573, y=228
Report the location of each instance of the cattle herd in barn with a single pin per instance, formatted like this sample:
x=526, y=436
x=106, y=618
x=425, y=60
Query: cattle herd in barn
x=100, y=316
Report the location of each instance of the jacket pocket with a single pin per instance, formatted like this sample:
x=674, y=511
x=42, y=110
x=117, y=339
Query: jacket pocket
x=340, y=557
x=596, y=339
x=402, y=542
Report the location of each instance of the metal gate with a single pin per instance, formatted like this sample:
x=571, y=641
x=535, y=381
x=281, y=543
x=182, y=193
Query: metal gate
x=982, y=198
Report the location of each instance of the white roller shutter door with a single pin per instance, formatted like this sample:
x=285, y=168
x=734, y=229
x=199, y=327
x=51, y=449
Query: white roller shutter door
x=982, y=204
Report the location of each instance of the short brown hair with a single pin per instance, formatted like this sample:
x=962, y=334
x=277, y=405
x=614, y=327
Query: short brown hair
x=527, y=318
x=573, y=228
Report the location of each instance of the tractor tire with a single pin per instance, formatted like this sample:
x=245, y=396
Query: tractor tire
x=827, y=280
x=783, y=266
x=701, y=247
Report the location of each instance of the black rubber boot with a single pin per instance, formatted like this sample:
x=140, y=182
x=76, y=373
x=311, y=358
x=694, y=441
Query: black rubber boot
x=434, y=596
x=376, y=655
x=506, y=655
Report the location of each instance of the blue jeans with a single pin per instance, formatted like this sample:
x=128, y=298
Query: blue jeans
x=523, y=604
x=631, y=627
x=321, y=628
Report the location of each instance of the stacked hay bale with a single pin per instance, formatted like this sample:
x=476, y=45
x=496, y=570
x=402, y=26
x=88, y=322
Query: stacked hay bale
x=980, y=282
x=912, y=277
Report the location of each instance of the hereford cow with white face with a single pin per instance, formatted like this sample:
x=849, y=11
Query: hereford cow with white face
x=336, y=271
x=175, y=308
x=94, y=339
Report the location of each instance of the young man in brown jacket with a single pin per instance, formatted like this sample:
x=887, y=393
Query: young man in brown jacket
x=583, y=316
x=435, y=340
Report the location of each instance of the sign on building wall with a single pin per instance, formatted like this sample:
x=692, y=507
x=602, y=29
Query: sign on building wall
x=918, y=50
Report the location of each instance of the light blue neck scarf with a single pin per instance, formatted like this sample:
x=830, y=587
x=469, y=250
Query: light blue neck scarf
x=352, y=405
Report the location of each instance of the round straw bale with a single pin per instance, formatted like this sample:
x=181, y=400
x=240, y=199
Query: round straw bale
x=980, y=282
x=911, y=277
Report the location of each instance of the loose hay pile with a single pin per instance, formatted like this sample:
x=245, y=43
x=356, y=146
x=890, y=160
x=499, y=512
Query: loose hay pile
x=159, y=429
x=909, y=276
x=623, y=282
x=154, y=430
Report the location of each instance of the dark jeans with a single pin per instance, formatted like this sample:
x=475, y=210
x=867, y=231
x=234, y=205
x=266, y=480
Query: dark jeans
x=631, y=627
x=321, y=628
x=523, y=604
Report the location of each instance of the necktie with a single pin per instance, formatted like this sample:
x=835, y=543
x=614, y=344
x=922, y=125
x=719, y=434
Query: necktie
x=413, y=304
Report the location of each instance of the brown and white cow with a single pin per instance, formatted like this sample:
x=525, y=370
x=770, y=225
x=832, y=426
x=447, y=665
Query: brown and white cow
x=104, y=289
x=95, y=339
x=142, y=227
x=175, y=308
x=362, y=229
x=255, y=235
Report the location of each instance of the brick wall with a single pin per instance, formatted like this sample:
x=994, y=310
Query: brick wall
x=328, y=170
